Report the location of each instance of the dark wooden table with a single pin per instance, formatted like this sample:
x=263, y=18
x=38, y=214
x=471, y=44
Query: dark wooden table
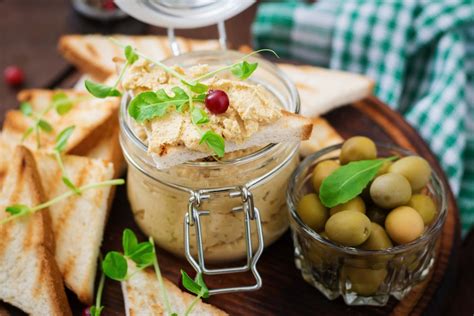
x=29, y=30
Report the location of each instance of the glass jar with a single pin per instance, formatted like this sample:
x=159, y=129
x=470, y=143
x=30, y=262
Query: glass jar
x=361, y=277
x=160, y=199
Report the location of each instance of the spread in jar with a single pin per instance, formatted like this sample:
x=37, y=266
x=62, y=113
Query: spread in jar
x=160, y=197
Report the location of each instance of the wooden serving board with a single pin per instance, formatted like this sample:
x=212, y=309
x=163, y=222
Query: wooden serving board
x=284, y=291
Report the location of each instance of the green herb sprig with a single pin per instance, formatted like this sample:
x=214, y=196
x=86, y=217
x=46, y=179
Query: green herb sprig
x=241, y=69
x=20, y=210
x=348, y=181
x=196, y=286
x=149, y=105
x=61, y=143
x=96, y=309
x=60, y=102
x=143, y=254
x=102, y=91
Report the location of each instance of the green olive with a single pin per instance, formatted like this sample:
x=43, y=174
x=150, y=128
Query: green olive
x=378, y=239
x=376, y=214
x=424, y=205
x=363, y=281
x=415, y=169
x=404, y=224
x=348, y=228
x=312, y=212
x=357, y=148
x=390, y=190
x=321, y=171
x=356, y=204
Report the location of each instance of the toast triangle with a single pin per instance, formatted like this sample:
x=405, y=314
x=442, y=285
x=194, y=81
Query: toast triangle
x=87, y=115
x=93, y=53
x=289, y=128
x=29, y=275
x=78, y=222
x=322, y=90
x=142, y=296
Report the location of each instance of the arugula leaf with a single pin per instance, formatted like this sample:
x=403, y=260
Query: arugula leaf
x=62, y=103
x=197, y=87
x=115, y=266
x=130, y=54
x=243, y=70
x=129, y=241
x=63, y=137
x=17, y=209
x=96, y=311
x=199, y=116
x=348, y=181
x=148, y=105
x=26, y=108
x=101, y=91
x=45, y=126
x=215, y=142
x=27, y=133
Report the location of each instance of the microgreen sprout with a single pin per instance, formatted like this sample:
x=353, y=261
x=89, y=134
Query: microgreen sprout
x=143, y=254
x=96, y=310
x=149, y=105
x=60, y=102
x=20, y=210
x=101, y=91
x=61, y=143
x=196, y=286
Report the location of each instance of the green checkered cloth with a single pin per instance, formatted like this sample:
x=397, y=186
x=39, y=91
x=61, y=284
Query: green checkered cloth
x=420, y=53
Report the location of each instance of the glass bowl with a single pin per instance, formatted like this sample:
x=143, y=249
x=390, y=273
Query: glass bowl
x=361, y=277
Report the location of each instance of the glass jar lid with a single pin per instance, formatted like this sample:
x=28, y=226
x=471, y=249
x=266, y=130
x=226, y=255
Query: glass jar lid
x=183, y=14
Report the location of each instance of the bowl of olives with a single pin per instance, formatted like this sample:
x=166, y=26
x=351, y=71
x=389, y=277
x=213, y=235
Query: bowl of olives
x=365, y=219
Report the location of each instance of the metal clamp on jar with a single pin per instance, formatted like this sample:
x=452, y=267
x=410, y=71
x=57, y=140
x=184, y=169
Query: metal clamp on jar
x=226, y=207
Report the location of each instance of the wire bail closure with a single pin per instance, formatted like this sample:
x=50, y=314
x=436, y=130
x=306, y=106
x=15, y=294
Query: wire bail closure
x=251, y=213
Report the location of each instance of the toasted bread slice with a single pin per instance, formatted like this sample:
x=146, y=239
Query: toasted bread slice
x=93, y=54
x=323, y=135
x=322, y=90
x=108, y=147
x=289, y=128
x=78, y=222
x=87, y=115
x=101, y=143
x=142, y=296
x=30, y=278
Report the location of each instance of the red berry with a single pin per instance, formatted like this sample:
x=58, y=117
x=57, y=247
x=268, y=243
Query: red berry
x=86, y=311
x=13, y=75
x=108, y=5
x=217, y=101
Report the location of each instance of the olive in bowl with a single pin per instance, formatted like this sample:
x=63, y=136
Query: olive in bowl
x=373, y=224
